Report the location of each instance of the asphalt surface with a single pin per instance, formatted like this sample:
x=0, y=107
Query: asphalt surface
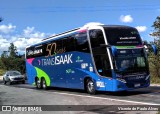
x=24, y=94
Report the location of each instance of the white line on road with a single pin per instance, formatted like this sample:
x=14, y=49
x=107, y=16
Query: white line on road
x=111, y=99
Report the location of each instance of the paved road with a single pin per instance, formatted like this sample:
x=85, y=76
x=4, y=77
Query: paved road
x=24, y=94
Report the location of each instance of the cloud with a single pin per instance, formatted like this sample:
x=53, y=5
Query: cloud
x=7, y=28
x=22, y=43
x=31, y=32
x=141, y=28
x=28, y=30
x=126, y=18
x=4, y=44
x=27, y=37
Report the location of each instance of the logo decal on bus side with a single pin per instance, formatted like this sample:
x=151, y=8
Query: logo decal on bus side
x=53, y=51
x=69, y=71
x=57, y=60
x=79, y=59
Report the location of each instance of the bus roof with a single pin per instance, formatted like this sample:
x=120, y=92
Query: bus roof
x=80, y=29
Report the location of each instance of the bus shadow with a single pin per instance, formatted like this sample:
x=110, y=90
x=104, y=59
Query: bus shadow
x=121, y=93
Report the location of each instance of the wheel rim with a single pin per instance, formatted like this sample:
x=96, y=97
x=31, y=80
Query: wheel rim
x=44, y=83
x=38, y=83
x=90, y=86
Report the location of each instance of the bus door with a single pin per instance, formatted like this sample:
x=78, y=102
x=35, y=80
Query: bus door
x=101, y=58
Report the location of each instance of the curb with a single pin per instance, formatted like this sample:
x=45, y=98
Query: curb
x=155, y=85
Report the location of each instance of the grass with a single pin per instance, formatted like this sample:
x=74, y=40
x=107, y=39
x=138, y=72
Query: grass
x=155, y=80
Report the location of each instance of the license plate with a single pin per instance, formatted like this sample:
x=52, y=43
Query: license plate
x=136, y=85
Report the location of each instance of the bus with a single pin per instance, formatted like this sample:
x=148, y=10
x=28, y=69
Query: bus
x=93, y=58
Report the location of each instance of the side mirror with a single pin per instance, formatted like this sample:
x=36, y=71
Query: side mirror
x=114, y=51
x=152, y=48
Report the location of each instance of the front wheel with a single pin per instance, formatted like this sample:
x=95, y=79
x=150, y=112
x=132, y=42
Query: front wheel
x=38, y=84
x=90, y=86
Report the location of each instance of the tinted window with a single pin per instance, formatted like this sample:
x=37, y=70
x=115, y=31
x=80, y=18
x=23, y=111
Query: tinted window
x=96, y=38
x=102, y=62
x=74, y=42
x=120, y=36
x=82, y=42
x=34, y=51
x=69, y=43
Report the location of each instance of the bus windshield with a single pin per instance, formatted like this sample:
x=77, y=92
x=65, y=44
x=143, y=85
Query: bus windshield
x=120, y=36
x=131, y=61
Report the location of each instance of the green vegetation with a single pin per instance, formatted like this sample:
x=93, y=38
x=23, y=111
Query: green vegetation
x=154, y=61
x=10, y=60
x=154, y=65
x=2, y=71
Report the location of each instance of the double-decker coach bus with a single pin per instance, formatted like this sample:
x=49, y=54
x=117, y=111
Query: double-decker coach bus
x=93, y=58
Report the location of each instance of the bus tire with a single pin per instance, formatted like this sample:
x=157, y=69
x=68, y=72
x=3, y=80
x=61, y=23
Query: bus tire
x=44, y=84
x=38, y=84
x=90, y=87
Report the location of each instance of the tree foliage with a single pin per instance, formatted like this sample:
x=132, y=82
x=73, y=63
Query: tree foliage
x=10, y=60
x=156, y=32
x=154, y=60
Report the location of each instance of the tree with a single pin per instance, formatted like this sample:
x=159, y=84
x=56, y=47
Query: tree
x=10, y=60
x=12, y=50
x=156, y=32
x=154, y=61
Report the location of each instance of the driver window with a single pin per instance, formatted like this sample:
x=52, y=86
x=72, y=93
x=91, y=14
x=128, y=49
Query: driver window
x=96, y=38
x=103, y=65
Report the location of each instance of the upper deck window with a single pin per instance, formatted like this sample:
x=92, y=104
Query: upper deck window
x=120, y=36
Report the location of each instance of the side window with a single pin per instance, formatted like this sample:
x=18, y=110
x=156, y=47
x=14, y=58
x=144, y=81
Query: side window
x=69, y=43
x=38, y=51
x=29, y=52
x=49, y=48
x=82, y=42
x=34, y=51
x=53, y=47
x=103, y=65
x=96, y=38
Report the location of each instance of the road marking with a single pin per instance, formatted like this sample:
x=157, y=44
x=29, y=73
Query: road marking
x=111, y=99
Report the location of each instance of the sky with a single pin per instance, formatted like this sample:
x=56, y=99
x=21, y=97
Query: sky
x=28, y=22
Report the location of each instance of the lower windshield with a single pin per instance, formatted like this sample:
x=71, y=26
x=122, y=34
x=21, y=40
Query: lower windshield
x=131, y=61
